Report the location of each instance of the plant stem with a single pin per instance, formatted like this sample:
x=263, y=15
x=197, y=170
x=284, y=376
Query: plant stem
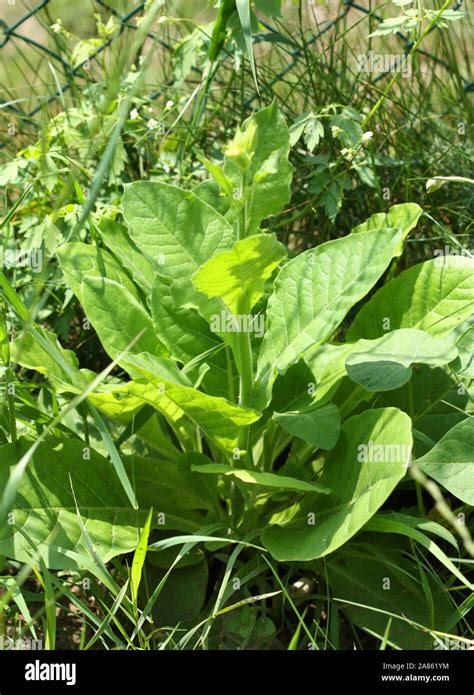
x=11, y=404
x=397, y=75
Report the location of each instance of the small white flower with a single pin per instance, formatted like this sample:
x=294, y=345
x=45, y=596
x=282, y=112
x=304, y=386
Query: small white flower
x=151, y=124
x=56, y=28
x=169, y=104
x=134, y=115
x=367, y=137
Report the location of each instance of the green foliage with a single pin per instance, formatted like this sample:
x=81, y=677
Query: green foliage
x=273, y=373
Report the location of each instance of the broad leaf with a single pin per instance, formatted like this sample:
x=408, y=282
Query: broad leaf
x=317, y=426
x=238, y=276
x=117, y=239
x=451, y=461
x=404, y=217
x=118, y=318
x=314, y=292
x=29, y=353
x=44, y=518
x=219, y=419
x=177, y=230
x=187, y=337
x=464, y=366
x=78, y=260
x=385, y=364
x=368, y=462
x=435, y=296
x=378, y=575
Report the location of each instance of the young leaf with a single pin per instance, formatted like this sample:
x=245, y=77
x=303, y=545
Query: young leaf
x=238, y=276
x=269, y=180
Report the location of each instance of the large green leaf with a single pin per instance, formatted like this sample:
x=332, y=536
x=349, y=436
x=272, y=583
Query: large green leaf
x=238, y=276
x=29, y=353
x=187, y=336
x=44, y=517
x=435, y=296
x=123, y=401
x=118, y=241
x=219, y=419
x=328, y=366
x=269, y=175
x=451, y=461
x=110, y=299
x=404, y=217
x=118, y=317
x=317, y=426
x=464, y=366
x=177, y=230
x=183, y=594
x=78, y=260
x=368, y=461
x=314, y=292
x=384, y=364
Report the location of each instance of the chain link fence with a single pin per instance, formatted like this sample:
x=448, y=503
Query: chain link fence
x=15, y=34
